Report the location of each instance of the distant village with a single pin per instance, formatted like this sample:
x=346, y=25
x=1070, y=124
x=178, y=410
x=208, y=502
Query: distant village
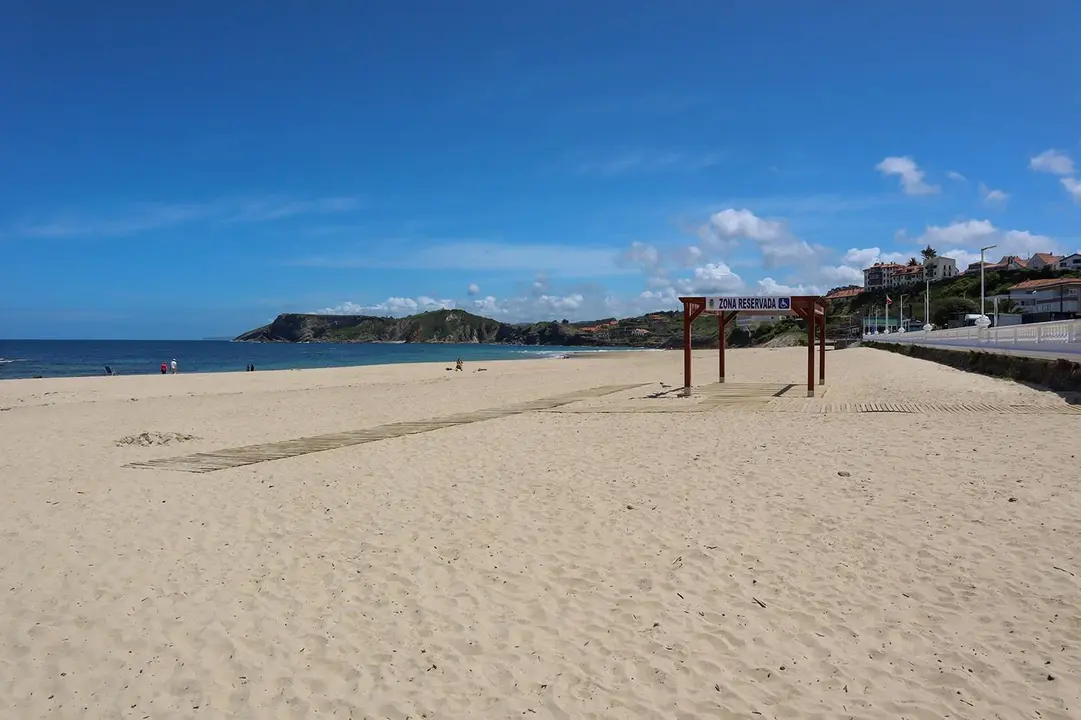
x=1059, y=296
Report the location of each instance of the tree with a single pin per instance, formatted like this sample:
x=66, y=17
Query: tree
x=912, y=262
x=949, y=308
x=928, y=253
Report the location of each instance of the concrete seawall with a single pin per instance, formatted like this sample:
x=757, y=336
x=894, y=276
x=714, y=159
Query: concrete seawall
x=1062, y=375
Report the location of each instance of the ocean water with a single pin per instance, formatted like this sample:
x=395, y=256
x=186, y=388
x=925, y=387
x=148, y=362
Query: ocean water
x=72, y=358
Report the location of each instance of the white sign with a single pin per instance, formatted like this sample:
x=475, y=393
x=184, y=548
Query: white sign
x=764, y=303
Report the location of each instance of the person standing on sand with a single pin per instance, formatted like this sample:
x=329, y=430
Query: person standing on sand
x=164, y=368
x=458, y=364
x=173, y=366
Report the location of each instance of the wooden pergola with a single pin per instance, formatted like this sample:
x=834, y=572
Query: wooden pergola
x=812, y=308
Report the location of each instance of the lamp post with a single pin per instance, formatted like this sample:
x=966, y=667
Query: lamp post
x=983, y=321
x=901, y=312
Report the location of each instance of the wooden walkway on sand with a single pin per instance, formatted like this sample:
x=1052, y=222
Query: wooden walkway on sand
x=251, y=454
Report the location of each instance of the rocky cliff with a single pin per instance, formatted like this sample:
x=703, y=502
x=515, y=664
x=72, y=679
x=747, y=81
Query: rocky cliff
x=449, y=326
x=656, y=330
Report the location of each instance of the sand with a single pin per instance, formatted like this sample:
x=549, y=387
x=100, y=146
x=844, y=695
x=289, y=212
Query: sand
x=594, y=561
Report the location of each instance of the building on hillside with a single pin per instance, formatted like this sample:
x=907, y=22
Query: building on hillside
x=1039, y=261
x=1006, y=262
x=907, y=275
x=1052, y=295
x=877, y=277
x=940, y=268
x=1070, y=262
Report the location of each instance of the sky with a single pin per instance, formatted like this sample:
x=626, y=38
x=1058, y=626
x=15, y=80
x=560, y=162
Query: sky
x=188, y=170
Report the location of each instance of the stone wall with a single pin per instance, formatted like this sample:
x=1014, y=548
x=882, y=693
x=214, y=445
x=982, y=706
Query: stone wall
x=1061, y=375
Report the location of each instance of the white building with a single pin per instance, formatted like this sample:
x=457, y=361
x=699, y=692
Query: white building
x=1070, y=262
x=1050, y=295
x=940, y=268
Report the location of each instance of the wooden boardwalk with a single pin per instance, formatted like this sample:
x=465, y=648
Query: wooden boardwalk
x=251, y=454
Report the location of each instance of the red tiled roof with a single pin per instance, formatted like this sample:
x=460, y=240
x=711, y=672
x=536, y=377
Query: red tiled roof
x=1048, y=257
x=1045, y=283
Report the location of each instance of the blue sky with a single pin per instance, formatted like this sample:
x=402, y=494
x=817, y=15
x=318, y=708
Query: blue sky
x=193, y=170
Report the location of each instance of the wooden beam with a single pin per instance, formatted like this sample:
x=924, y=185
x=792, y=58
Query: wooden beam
x=812, y=321
x=822, y=350
x=721, y=322
x=686, y=346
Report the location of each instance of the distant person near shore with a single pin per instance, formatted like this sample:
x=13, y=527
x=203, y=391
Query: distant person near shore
x=164, y=368
x=458, y=364
x=173, y=366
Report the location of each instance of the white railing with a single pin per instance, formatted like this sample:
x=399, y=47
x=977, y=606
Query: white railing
x=1057, y=332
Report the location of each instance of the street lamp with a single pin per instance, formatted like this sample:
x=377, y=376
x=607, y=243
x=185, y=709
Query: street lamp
x=983, y=321
x=901, y=312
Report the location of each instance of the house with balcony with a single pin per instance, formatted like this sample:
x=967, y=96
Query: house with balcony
x=877, y=277
x=1052, y=295
x=940, y=268
x=907, y=275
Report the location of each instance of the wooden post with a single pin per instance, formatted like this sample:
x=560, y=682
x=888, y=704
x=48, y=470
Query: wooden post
x=822, y=351
x=811, y=322
x=721, y=323
x=686, y=347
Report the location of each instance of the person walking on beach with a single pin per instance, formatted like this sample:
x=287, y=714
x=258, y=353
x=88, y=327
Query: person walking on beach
x=173, y=366
x=458, y=364
x=164, y=368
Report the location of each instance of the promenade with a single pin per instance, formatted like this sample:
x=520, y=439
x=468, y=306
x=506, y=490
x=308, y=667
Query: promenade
x=1049, y=341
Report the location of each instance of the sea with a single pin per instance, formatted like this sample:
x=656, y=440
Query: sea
x=77, y=358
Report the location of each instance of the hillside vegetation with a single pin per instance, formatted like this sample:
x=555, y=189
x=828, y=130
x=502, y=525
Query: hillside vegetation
x=656, y=330
x=948, y=298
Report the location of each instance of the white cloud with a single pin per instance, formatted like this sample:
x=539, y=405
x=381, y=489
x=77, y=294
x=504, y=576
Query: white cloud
x=564, y=303
x=279, y=208
x=732, y=224
x=841, y=275
x=393, y=306
x=484, y=256
x=962, y=240
x=865, y=257
x=956, y=176
x=642, y=255
x=910, y=175
x=789, y=252
x=1073, y=186
x=992, y=196
x=967, y=232
x=642, y=162
x=715, y=277
x=1052, y=161
x=473, y=289
x=769, y=286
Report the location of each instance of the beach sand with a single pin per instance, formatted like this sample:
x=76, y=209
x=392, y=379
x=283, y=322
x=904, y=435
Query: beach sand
x=600, y=560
